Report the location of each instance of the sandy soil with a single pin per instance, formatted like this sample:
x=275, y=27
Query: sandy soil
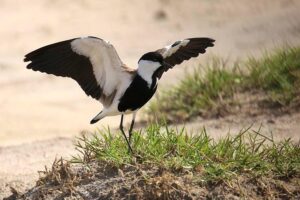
x=41, y=114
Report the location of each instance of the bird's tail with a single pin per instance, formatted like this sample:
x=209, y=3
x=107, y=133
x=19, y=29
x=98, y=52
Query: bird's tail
x=97, y=118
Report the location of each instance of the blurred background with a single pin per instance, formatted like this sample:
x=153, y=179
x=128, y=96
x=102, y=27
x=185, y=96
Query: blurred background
x=35, y=107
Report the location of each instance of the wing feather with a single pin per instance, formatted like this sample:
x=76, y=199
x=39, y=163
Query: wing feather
x=183, y=50
x=92, y=62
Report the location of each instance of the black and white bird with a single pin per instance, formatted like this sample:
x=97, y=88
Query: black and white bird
x=97, y=68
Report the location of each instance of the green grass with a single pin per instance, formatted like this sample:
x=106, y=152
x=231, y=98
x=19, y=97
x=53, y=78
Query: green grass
x=209, y=90
x=278, y=74
x=246, y=152
x=201, y=92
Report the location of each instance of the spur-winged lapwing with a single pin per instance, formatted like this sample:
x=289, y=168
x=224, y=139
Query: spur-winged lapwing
x=96, y=66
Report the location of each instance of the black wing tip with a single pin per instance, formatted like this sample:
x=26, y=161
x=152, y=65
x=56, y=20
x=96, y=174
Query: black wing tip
x=29, y=56
x=26, y=59
x=211, y=41
x=202, y=39
x=29, y=66
x=208, y=41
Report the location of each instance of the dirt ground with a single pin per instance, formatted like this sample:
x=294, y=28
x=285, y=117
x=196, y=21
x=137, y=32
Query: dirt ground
x=41, y=114
x=138, y=181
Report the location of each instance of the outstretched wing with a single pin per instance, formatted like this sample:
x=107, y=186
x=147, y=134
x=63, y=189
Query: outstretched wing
x=92, y=62
x=183, y=50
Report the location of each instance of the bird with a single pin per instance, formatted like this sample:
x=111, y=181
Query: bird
x=96, y=66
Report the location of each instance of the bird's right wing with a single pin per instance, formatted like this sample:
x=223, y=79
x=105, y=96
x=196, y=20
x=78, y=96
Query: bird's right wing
x=92, y=62
x=183, y=50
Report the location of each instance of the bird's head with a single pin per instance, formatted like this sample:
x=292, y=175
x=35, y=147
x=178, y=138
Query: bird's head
x=148, y=64
x=151, y=60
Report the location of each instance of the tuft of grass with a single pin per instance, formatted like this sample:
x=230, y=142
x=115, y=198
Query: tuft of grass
x=210, y=90
x=278, y=74
x=176, y=150
x=59, y=176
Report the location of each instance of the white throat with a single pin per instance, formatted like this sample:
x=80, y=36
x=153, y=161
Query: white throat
x=146, y=69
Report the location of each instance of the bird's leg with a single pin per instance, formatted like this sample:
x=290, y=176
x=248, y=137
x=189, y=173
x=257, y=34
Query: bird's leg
x=122, y=130
x=131, y=126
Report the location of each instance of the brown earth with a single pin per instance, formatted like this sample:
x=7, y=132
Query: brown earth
x=138, y=181
x=40, y=114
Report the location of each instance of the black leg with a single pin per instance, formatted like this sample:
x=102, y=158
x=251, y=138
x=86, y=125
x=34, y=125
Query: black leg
x=131, y=127
x=122, y=130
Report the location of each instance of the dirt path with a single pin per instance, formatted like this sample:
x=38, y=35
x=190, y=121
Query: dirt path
x=41, y=114
x=20, y=164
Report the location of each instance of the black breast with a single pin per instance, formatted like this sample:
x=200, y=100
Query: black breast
x=137, y=94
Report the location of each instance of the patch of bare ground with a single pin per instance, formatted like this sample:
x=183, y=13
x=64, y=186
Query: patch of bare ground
x=100, y=180
x=19, y=164
x=255, y=103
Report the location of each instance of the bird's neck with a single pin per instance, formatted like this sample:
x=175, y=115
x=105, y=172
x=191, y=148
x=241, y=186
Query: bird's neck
x=150, y=80
x=146, y=70
x=147, y=75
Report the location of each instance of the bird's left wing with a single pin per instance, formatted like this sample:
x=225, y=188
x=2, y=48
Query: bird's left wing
x=92, y=62
x=183, y=50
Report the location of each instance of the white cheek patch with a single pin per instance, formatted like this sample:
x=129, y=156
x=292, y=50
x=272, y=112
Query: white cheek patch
x=146, y=69
x=171, y=50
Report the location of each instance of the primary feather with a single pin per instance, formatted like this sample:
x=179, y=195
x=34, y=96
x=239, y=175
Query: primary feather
x=183, y=50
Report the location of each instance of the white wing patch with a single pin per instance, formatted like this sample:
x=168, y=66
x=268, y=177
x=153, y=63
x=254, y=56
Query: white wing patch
x=170, y=50
x=105, y=60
